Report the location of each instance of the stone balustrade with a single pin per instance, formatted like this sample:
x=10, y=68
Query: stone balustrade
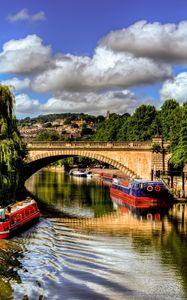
x=92, y=144
x=135, y=159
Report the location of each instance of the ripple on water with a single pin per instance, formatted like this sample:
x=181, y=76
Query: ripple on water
x=61, y=260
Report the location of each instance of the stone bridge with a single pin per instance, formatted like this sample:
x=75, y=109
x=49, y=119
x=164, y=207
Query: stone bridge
x=135, y=159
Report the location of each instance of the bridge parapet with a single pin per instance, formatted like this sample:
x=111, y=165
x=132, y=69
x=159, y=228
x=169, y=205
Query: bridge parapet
x=92, y=144
x=135, y=159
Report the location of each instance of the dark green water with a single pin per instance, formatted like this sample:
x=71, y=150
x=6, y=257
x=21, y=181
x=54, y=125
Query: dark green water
x=85, y=247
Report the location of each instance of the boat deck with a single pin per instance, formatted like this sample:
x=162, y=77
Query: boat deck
x=18, y=205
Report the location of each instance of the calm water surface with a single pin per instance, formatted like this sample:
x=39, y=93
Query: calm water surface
x=87, y=247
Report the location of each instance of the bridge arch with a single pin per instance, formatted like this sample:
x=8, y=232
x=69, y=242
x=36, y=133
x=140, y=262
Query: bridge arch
x=40, y=160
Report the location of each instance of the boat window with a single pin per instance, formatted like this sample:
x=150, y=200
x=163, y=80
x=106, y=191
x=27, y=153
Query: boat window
x=2, y=214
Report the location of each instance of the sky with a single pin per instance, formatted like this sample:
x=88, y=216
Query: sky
x=93, y=56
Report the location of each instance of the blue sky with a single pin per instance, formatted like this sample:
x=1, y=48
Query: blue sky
x=93, y=56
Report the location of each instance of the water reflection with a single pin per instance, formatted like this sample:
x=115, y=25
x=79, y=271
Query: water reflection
x=147, y=212
x=74, y=196
x=84, y=247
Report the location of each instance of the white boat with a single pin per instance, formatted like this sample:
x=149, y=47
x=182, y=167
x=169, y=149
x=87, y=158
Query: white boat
x=89, y=174
x=80, y=173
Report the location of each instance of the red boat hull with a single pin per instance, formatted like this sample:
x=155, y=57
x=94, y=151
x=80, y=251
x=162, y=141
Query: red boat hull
x=138, y=202
x=17, y=219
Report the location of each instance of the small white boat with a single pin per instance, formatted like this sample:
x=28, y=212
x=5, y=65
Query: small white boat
x=89, y=174
x=80, y=173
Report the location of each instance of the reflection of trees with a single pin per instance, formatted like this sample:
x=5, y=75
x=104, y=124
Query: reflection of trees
x=171, y=244
x=174, y=251
x=58, y=190
x=167, y=237
x=9, y=262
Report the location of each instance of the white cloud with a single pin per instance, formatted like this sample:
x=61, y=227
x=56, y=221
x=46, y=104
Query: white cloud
x=24, y=56
x=17, y=84
x=140, y=54
x=121, y=101
x=26, y=105
x=23, y=15
x=175, y=88
x=66, y=72
x=105, y=70
x=122, y=69
x=166, y=42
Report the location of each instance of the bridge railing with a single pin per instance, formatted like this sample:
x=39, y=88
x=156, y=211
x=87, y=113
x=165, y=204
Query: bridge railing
x=91, y=144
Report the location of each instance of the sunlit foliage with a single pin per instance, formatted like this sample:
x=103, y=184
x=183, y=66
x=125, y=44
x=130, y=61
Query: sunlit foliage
x=12, y=150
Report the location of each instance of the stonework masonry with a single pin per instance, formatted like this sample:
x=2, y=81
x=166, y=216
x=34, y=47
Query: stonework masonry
x=135, y=159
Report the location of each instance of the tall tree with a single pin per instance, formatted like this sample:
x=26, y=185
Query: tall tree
x=108, y=129
x=167, y=114
x=140, y=125
x=179, y=157
x=12, y=150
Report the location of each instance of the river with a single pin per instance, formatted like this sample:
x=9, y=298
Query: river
x=86, y=247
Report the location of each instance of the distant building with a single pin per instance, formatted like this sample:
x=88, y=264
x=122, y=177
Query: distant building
x=107, y=114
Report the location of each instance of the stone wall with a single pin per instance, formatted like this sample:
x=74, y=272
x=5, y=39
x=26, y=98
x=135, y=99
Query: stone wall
x=134, y=159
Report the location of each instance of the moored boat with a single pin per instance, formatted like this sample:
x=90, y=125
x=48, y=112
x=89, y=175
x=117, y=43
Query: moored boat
x=17, y=215
x=80, y=173
x=106, y=177
x=140, y=193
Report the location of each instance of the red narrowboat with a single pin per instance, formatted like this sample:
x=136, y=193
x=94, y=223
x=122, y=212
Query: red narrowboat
x=16, y=215
x=141, y=193
x=106, y=177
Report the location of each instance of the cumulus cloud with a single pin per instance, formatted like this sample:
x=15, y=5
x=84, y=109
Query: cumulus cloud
x=121, y=101
x=66, y=72
x=105, y=69
x=24, y=56
x=26, y=105
x=166, y=42
x=175, y=88
x=144, y=53
x=17, y=84
x=23, y=15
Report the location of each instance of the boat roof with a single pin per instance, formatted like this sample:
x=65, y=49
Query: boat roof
x=139, y=181
x=19, y=205
x=147, y=181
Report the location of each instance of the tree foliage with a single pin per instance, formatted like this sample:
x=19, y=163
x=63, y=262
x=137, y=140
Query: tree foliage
x=12, y=150
x=50, y=136
x=167, y=113
x=146, y=122
x=179, y=158
x=109, y=129
x=138, y=127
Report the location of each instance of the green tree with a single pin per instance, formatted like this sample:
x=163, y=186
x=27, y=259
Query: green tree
x=167, y=113
x=108, y=130
x=49, y=136
x=122, y=131
x=12, y=149
x=141, y=125
x=179, y=157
